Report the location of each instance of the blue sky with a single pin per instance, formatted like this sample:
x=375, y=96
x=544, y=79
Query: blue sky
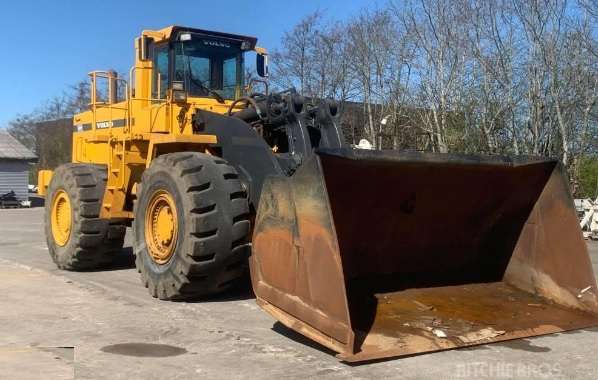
x=48, y=45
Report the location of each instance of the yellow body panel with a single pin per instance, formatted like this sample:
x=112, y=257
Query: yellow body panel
x=43, y=180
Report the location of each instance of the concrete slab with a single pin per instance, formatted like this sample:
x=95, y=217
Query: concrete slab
x=119, y=332
x=33, y=363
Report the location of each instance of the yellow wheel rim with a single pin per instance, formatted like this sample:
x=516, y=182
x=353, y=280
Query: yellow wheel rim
x=61, y=218
x=161, y=226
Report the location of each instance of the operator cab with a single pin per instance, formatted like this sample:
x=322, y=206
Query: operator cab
x=201, y=63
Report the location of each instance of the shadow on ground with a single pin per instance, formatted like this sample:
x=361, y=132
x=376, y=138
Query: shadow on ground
x=295, y=336
x=523, y=345
x=240, y=290
x=122, y=260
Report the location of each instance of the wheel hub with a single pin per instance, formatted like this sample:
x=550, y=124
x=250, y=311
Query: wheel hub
x=61, y=218
x=161, y=226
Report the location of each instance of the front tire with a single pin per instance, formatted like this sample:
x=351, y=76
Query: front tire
x=191, y=227
x=77, y=238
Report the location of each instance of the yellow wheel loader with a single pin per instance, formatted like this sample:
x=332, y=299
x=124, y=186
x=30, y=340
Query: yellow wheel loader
x=372, y=254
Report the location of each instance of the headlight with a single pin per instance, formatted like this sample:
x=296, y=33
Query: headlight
x=179, y=96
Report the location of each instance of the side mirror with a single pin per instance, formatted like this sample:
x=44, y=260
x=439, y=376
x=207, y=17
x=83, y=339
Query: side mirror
x=261, y=65
x=146, y=45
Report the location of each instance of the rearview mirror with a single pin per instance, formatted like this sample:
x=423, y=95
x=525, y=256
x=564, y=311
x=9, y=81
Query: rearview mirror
x=261, y=65
x=145, y=48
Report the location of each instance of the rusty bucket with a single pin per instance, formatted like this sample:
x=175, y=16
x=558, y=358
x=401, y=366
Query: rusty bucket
x=379, y=254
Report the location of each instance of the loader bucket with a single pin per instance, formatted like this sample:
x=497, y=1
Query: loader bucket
x=379, y=254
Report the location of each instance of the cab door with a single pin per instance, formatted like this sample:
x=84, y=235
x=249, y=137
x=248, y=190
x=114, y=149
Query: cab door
x=159, y=107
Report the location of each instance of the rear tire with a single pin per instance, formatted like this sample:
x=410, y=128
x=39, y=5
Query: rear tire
x=202, y=245
x=83, y=241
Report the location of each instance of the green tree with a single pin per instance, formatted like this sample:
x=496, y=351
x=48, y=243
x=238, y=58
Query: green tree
x=588, y=178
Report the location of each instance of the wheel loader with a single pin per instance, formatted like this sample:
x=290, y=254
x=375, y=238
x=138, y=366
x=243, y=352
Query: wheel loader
x=371, y=253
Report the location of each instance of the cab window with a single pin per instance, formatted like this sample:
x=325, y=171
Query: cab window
x=207, y=65
x=229, y=77
x=160, y=79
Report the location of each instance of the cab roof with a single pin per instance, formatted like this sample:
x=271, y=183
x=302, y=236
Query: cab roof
x=173, y=30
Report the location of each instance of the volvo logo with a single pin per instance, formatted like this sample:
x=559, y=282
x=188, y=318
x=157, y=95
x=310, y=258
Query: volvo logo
x=216, y=43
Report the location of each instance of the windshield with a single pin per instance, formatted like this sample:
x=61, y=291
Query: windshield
x=205, y=64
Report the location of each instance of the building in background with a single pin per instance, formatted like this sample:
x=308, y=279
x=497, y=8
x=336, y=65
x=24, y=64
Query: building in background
x=15, y=162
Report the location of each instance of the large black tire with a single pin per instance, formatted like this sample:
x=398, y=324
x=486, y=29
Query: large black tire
x=93, y=242
x=212, y=243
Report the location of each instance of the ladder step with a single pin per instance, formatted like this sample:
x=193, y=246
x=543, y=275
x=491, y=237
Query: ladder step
x=111, y=188
x=115, y=170
x=107, y=205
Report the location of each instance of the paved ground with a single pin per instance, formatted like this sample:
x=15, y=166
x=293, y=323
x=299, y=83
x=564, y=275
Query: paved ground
x=117, y=331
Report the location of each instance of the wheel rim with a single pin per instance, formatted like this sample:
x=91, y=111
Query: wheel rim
x=161, y=226
x=61, y=218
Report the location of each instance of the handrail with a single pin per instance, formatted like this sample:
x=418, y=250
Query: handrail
x=131, y=97
x=110, y=104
